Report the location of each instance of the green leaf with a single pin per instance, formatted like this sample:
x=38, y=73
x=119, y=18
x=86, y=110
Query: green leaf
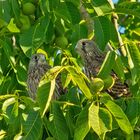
x=78, y=79
x=82, y=125
x=15, y=8
x=104, y=31
x=130, y=8
x=21, y=75
x=94, y=118
x=12, y=27
x=119, y=116
x=101, y=7
x=107, y=65
x=26, y=41
x=69, y=12
x=32, y=125
x=134, y=61
x=7, y=47
x=50, y=33
x=5, y=10
x=39, y=34
x=118, y=68
x=2, y=97
x=44, y=95
x=105, y=121
x=100, y=120
x=74, y=12
x=60, y=125
x=79, y=31
x=2, y=134
x=7, y=103
x=131, y=104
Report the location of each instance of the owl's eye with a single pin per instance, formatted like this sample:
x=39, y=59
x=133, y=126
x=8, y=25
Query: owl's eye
x=35, y=57
x=83, y=46
x=83, y=43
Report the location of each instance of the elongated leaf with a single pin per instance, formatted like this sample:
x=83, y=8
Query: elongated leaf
x=78, y=79
x=69, y=12
x=21, y=75
x=100, y=120
x=133, y=117
x=79, y=31
x=15, y=8
x=60, y=126
x=5, y=10
x=119, y=116
x=107, y=65
x=134, y=62
x=2, y=97
x=101, y=7
x=40, y=30
x=7, y=103
x=26, y=41
x=74, y=12
x=32, y=125
x=44, y=96
x=82, y=125
x=104, y=31
x=119, y=68
x=105, y=121
x=9, y=52
x=94, y=118
x=131, y=8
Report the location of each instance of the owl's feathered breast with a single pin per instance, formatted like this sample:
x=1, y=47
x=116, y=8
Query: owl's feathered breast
x=36, y=71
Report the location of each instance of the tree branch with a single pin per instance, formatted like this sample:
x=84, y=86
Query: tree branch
x=115, y=22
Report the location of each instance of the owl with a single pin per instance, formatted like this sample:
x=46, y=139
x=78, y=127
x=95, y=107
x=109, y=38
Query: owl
x=93, y=58
x=37, y=68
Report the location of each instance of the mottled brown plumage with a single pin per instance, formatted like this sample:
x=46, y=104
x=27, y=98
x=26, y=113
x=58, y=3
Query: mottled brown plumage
x=93, y=58
x=37, y=68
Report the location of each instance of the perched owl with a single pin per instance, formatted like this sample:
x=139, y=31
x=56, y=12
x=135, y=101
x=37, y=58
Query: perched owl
x=37, y=68
x=93, y=58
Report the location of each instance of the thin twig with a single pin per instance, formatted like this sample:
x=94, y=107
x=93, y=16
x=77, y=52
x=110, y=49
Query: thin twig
x=115, y=22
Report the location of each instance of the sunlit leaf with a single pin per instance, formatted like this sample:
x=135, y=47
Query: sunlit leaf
x=44, y=96
x=82, y=125
x=119, y=116
x=94, y=118
x=76, y=77
x=12, y=27
x=7, y=103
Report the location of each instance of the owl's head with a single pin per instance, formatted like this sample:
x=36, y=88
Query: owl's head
x=37, y=60
x=86, y=46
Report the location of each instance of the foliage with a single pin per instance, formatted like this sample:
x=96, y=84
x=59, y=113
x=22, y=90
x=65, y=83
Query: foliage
x=80, y=113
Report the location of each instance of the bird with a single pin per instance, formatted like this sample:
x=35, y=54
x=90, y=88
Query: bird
x=93, y=58
x=37, y=68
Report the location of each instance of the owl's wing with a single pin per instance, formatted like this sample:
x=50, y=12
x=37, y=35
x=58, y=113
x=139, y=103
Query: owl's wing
x=93, y=59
